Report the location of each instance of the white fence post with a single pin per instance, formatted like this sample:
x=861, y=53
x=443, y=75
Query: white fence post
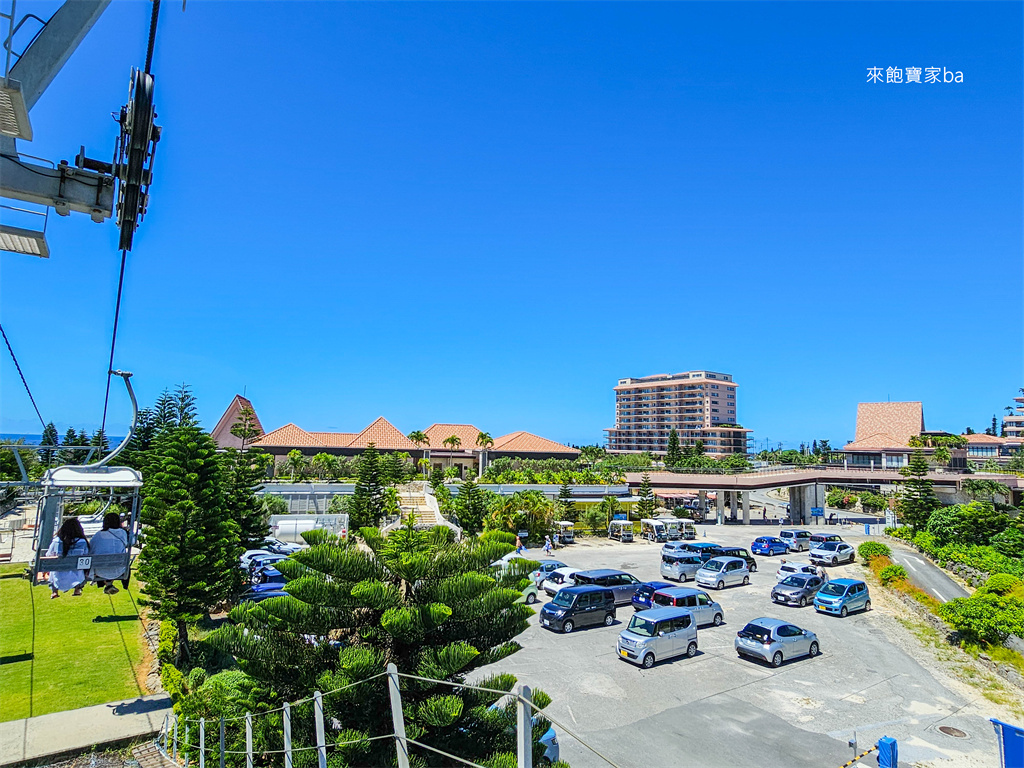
x=401, y=746
x=186, y=744
x=164, y=732
x=202, y=742
x=287, y=735
x=524, y=727
x=222, y=741
x=318, y=716
x=248, y=740
x=174, y=742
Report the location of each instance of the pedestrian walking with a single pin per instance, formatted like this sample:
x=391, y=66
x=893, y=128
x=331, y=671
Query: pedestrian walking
x=519, y=546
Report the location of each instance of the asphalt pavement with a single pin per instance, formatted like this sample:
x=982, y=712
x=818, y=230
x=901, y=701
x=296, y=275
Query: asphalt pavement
x=926, y=575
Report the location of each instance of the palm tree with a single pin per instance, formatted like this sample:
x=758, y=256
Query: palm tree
x=453, y=443
x=419, y=439
x=483, y=441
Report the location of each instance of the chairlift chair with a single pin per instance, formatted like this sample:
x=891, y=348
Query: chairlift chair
x=74, y=483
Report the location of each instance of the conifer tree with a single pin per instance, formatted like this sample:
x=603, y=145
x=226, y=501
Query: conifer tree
x=367, y=506
x=472, y=506
x=244, y=472
x=646, y=505
x=674, y=455
x=66, y=455
x=49, y=437
x=392, y=468
x=190, y=546
x=99, y=441
x=566, y=506
x=417, y=599
x=916, y=500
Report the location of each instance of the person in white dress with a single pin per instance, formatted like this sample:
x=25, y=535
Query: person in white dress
x=70, y=541
x=112, y=540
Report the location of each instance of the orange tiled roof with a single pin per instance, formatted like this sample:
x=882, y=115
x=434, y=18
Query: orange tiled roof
x=875, y=443
x=383, y=434
x=524, y=442
x=222, y=432
x=886, y=425
x=438, y=433
x=991, y=439
x=289, y=436
x=335, y=439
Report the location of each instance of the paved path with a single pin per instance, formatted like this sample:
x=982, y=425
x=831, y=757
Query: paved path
x=926, y=575
x=58, y=733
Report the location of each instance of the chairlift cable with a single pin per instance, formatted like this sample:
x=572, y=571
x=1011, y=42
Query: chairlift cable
x=22, y=375
x=113, y=341
x=152, y=36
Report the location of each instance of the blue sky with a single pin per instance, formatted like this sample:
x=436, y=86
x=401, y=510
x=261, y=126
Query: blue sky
x=490, y=212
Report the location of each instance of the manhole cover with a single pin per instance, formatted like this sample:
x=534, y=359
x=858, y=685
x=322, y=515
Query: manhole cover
x=951, y=731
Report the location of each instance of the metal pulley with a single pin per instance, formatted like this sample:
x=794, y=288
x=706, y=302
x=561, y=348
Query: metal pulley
x=134, y=155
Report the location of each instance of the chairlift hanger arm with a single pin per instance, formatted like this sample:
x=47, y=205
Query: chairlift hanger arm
x=53, y=46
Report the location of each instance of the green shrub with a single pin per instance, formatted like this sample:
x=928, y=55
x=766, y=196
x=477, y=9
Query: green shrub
x=172, y=681
x=984, y=618
x=1000, y=584
x=904, y=532
x=840, y=498
x=504, y=537
x=167, y=639
x=893, y=573
x=870, y=549
x=1009, y=543
x=873, y=501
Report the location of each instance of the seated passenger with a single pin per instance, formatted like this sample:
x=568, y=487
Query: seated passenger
x=112, y=540
x=70, y=541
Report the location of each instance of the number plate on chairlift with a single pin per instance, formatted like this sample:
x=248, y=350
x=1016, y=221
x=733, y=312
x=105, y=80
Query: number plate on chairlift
x=84, y=563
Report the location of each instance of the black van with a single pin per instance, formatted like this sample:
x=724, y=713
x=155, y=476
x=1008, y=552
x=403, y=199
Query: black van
x=579, y=607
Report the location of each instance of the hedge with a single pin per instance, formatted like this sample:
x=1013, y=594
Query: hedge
x=870, y=549
x=980, y=558
x=166, y=640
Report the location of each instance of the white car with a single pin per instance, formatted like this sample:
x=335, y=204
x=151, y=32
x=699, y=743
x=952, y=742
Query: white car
x=560, y=578
x=790, y=568
x=833, y=553
x=249, y=554
x=546, y=567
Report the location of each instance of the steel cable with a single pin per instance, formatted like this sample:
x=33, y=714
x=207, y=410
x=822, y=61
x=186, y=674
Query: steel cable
x=22, y=375
x=113, y=341
x=152, y=35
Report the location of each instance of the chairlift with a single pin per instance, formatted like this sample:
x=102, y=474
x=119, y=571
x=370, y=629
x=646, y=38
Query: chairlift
x=73, y=484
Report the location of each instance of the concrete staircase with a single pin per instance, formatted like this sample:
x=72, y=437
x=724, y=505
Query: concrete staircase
x=417, y=498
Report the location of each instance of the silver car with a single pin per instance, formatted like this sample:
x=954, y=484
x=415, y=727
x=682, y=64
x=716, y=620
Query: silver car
x=833, y=553
x=794, y=569
x=659, y=633
x=722, y=572
x=775, y=641
x=622, y=584
x=797, y=589
x=696, y=601
x=799, y=541
x=680, y=566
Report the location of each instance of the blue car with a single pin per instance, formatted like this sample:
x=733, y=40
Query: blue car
x=268, y=574
x=699, y=546
x=769, y=545
x=840, y=596
x=642, y=598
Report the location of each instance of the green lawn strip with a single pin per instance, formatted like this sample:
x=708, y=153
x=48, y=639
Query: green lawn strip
x=86, y=648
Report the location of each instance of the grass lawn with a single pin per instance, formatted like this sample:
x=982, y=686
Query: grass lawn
x=66, y=653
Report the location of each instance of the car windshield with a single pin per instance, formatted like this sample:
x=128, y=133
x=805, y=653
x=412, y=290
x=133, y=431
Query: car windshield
x=794, y=581
x=712, y=565
x=829, y=546
x=638, y=625
x=834, y=590
x=563, y=599
x=756, y=632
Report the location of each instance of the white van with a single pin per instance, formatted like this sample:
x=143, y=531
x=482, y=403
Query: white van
x=658, y=633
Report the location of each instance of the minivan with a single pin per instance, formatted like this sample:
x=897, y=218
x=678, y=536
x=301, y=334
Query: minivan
x=660, y=633
x=722, y=572
x=696, y=601
x=798, y=541
x=681, y=566
x=739, y=552
x=817, y=539
x=840, y=596
x=579, y=607
x=622, y=584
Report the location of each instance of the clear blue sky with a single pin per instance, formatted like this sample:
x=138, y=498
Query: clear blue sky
x=488, y=213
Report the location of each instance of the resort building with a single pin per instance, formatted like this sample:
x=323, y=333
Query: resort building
x=1013, y=424
x=699, y=405
x=883, y=433
x=387, y=438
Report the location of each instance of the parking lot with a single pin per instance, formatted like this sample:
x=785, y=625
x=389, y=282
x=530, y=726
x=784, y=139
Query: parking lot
x=717, y=709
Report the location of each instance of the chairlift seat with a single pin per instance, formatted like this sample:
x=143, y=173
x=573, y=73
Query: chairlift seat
x=92, y=477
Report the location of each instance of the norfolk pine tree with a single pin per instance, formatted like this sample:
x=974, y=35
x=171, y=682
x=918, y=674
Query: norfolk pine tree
x=674, y=454
x=646, y=505
x=49, y=437
x=916, y=500
x=566, y=506
x=367, y=507
x=189, y=544
x=244, y=471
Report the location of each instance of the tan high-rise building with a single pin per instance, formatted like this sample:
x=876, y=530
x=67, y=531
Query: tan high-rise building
x=699, y=405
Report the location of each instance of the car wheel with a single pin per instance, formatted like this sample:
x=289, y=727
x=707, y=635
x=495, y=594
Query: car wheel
x=531, y=599
x=803, y=602
x=648, y=661
x=691, y=650
x=835, y=561
x=867, y=606
x=753, y=567
x=777, y=659
x=568, y=626
x=720, y=585
x=746, y=580
x=843, y=611
x=814, y=649
x=609, y=620
x=717, y=620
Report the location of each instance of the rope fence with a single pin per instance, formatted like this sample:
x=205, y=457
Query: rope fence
x=172, y=747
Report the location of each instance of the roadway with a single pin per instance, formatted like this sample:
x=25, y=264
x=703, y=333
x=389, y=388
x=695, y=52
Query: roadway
x=926, y=575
